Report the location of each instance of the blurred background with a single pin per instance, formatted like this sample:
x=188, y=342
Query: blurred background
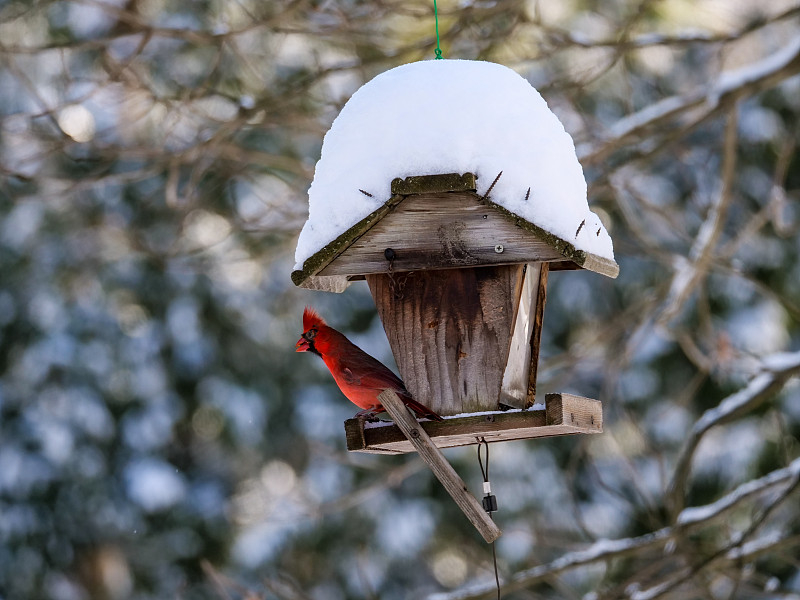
x=160, y=438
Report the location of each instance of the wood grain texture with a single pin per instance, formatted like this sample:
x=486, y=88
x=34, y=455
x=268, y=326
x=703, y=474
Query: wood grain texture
x=317, y=261
x=582, y=258
x=440, y=223
x=564, y=414
x=440, y=231
x=601, y=265
x=443, y=470
x=536, y=337
x=335, y=283
x=514, y=390
x=450, y=332
x=574, y=412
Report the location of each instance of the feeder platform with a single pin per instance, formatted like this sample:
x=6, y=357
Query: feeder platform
x=564, y=414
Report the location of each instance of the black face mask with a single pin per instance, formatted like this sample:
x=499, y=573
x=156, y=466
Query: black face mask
x=309, y=337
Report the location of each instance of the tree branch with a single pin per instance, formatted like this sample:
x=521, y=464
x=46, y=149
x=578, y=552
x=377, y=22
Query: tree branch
x=604, y=550
x=778, y=370
x=727, y=90
x=689, y=273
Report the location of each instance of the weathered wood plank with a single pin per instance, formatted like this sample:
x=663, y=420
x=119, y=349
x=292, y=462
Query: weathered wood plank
x=335, y=283
x=565, y=414
x=450, y=332
x=601, y=265
x=536, y=337
x=586, y=260
x=444, y=230
x=574, y=412
x=317, y=261
x=443, y=470
x=514, y=390
x=424, y=184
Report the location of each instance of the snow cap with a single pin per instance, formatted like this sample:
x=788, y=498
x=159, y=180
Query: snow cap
x=450, y=116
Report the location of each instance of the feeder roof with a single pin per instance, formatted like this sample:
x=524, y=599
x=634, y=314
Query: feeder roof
x=446, y=116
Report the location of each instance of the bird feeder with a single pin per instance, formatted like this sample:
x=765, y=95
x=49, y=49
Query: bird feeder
x=453, y=190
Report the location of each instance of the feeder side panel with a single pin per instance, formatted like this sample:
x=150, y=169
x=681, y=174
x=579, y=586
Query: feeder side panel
x=450, y=332
x=516, y=378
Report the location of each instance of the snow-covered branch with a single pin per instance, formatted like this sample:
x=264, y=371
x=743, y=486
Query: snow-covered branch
x=766, y=544
x=689, y=273
x=562, y=37
x=603, y=550
x=729, y=87
x=599, y=551
x=736, y=548
x=697, y=515
x=778, y=369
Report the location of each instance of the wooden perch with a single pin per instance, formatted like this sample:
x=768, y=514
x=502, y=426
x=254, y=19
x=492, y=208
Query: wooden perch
x=444, y=472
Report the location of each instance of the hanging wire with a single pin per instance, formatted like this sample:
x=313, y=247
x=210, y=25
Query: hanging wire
x=438, y=50
x=485, y=474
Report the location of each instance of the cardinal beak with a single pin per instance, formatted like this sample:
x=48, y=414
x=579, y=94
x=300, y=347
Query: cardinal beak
x=302, y=345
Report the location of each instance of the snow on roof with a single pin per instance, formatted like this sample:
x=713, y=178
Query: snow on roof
x=446, y=116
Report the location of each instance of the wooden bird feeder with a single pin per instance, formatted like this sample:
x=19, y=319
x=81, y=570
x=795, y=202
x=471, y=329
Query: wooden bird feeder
x=460, y=284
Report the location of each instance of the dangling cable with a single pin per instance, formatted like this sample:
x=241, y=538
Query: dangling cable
x=484, y=472
x=438, y=50
x=489, y=503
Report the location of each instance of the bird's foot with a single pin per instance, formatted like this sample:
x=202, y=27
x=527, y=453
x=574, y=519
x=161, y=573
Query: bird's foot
x=367, y=415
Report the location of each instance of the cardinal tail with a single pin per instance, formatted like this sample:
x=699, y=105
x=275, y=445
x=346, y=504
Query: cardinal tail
x=421, y=409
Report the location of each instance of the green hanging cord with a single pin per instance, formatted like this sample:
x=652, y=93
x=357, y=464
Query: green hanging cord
x=438, y=50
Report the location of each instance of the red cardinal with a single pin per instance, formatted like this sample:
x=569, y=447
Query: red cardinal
x=360, y=377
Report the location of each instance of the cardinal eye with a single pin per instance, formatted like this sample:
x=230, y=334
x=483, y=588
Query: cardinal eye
x=310, y=334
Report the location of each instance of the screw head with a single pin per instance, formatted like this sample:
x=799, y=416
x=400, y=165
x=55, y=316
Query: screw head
x=499, y=248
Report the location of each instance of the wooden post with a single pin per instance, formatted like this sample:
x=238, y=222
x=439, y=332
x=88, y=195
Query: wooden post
x=514, y=391
x=438, y=464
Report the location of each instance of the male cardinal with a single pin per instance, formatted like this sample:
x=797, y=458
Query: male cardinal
x=360, y=377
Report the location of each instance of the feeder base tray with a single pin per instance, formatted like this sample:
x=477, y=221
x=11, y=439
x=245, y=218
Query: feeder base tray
x=564, y=414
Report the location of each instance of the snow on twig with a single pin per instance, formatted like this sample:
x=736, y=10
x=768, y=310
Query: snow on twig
x=701, y=514
x=728, y=87
x=656, y=590
x=778, y=370
x=765, y=544
x=604, y=550
x=736, y=548
x=730, y=81
x=600, y=550
x=649, y=39
x=689, y=273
